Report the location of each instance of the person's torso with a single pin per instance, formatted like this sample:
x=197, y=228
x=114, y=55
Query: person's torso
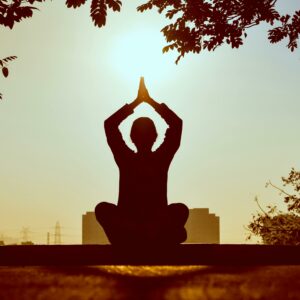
x=143, y=183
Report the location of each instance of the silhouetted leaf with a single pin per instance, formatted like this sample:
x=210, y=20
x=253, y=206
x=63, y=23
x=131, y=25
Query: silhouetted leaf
x=169, y=47
x=75, y=3
x=9, y=58
x=98, y=12
x=145, y=6
x=5, y=71
x=277, y=34
x=115, y=5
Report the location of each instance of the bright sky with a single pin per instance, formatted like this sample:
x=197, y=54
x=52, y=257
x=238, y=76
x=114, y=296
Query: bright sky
x=240, y=110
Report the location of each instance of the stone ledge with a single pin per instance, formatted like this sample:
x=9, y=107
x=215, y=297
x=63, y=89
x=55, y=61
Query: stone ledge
x=187, y=254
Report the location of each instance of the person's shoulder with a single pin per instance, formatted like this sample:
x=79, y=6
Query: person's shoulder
x=124, y=156
x=129, y=153
x=160, y=154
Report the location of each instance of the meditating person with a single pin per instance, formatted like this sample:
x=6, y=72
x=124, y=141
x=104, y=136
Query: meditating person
x=142, y=215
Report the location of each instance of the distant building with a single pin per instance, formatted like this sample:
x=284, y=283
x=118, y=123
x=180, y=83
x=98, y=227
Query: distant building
x=92, y=232
x=202, y=227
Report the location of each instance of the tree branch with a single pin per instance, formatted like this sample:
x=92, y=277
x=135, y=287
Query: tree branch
x=279, y=189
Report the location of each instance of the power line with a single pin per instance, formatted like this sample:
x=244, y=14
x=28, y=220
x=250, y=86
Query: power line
x=25, y=234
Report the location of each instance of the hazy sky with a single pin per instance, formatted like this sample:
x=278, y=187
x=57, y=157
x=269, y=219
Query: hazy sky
x=240, y=110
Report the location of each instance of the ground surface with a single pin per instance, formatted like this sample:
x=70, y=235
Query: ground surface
x=150, y=282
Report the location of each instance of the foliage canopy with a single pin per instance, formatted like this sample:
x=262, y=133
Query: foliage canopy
x=207, y=24
x=195, y=25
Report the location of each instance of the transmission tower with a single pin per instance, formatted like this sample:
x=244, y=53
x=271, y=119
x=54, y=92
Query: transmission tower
x=25, y=234
x=57, y=234
x=48, y=238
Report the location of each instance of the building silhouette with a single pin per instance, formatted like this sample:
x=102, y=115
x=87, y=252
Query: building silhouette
x=92, y=232
x=202, y=227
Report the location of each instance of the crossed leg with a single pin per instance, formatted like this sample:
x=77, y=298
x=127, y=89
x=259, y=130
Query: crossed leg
x=166, y=227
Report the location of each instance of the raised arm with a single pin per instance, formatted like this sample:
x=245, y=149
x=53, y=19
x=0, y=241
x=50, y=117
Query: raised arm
x=173, y=133
x=113, y=134
x=167, y=114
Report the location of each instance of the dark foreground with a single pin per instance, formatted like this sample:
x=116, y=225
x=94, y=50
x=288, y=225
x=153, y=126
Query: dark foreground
x=185, y=272
x=150, y=282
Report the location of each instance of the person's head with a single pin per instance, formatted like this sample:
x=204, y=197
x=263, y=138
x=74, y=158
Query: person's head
x=143, y=134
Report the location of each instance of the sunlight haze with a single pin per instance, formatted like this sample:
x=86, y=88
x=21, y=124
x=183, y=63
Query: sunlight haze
x=240, y=111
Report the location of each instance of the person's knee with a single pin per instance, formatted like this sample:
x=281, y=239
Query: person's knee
x=100, y=207
x=104, y=210
x=175, y=236
x=179, y=211
x=185, y=212
x=182, y=236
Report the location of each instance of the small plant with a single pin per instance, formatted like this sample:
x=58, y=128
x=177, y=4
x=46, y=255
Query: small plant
x=274, y=226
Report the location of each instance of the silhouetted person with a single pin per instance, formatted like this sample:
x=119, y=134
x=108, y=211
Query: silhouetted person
x=143, y=215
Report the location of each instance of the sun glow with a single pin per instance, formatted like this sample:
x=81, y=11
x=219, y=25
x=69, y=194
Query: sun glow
x=139, y=53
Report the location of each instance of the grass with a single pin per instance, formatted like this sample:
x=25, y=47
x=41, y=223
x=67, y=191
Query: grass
x=150, y=282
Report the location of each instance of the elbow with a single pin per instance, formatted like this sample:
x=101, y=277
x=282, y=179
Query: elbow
x=179, y=126
x=107, y=124
x=109, y=121
x=179, y=123
x=110, y=125
x=176, y=123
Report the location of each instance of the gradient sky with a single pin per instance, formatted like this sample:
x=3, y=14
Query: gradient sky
x=240, y=110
